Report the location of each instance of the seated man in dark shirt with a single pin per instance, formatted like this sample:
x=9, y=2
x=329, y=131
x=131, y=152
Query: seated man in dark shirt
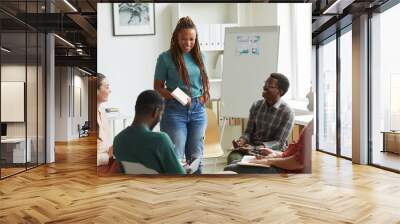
x=270, y=121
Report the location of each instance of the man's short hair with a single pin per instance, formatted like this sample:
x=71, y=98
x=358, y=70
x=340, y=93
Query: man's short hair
x=283, y=82
x=148, y=101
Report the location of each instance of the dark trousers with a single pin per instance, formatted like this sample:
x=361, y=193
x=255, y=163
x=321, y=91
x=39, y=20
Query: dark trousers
x=236, y=156
x=253, y=169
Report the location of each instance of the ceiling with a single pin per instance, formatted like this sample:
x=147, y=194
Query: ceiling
x=74, y=21
x=332, y=15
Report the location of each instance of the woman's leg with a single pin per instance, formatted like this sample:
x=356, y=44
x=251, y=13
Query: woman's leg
x=196, y=130
x=174, y=123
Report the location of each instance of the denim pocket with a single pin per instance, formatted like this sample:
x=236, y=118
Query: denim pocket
x=198, y=107
x=169, y=105
x=202, y=106
x=173, y=105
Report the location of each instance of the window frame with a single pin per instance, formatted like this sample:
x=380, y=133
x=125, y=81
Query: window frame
x=334, y=37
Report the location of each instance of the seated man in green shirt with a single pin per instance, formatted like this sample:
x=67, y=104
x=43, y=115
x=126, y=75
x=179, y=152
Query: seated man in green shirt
x=138, y=145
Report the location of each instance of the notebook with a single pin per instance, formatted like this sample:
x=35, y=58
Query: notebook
x=180, y=96
x=246, y=162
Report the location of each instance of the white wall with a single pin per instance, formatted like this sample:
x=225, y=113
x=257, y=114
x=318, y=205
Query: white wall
x=33, y=127
x=16, y=73
x=129, y=61
x=261, y=14
x=81, y=108
x=68, y=80
x=61, y=104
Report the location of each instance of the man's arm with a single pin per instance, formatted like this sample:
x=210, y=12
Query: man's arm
x=274, y=145
x=169, y=161
x=251, y=124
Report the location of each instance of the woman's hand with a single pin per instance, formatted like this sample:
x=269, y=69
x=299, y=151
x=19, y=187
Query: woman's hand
x=189, y=103
x=110, y=152
x=261, y=161
x=202, y=101
x=241, y=142
x=265, y=151
x=159, y=86
x=205, y=98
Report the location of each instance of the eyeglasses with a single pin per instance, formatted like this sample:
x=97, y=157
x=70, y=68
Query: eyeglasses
x=271, y=87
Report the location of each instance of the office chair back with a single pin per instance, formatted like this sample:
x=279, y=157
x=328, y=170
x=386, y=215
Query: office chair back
x=136, y=168
x=86, y=125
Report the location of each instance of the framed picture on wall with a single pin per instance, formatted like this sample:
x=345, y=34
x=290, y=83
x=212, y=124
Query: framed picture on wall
x=131, y=19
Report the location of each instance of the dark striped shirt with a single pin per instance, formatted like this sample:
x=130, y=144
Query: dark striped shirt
x=269, y=125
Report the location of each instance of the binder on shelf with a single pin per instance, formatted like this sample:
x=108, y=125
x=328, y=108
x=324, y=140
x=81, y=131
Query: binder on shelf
x=206, y=35
x=202, y=35
x=218, y=39
x=212, y=36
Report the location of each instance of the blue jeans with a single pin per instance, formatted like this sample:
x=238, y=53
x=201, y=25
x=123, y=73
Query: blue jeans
x=186, y=127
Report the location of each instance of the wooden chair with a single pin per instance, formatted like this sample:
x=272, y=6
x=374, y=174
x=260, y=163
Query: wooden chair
x=212, y=145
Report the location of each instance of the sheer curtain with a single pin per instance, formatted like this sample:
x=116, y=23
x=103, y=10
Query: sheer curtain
x=295, y=48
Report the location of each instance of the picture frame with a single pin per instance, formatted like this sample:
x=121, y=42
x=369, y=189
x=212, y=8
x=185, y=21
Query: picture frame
x=134, y=19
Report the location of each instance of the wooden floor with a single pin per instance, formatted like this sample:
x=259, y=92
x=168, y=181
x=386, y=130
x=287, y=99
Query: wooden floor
x=5, y=172
x=70, y=191
x=387, y=159
x=10, y=171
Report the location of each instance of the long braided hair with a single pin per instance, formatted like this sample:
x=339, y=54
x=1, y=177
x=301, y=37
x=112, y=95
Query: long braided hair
x=177, y=56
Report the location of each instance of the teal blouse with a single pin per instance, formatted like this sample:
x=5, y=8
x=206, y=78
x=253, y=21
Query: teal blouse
x=167, y=71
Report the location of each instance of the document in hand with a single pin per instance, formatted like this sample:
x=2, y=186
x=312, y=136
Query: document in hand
x=246, y=162
x=180, y=96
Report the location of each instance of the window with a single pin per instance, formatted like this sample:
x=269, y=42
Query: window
x=22, y=65
x=327, y=96
x=303, y=51
x=385, y=88
x=346, y=93
x=294, y=55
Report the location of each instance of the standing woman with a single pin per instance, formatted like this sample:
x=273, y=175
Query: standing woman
x=183, y=66
x=104, y=139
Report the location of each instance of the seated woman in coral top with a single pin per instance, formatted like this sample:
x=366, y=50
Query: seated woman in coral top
x=295, y=159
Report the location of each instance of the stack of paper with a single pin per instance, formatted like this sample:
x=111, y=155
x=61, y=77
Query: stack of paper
x=246, y=162
x=180, y=96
